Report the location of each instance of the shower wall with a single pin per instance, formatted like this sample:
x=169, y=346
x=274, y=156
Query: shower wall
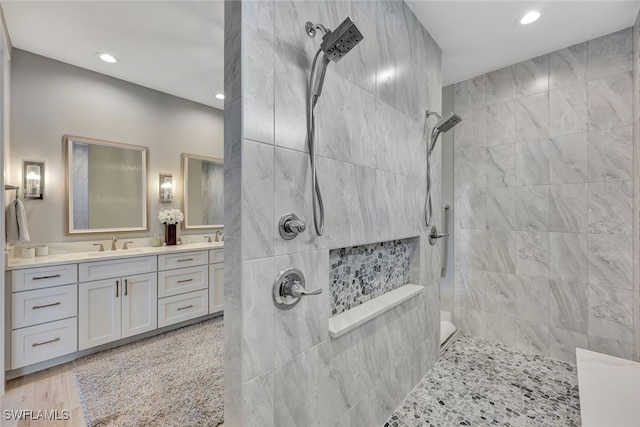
x=544, y=195
x=282, y=368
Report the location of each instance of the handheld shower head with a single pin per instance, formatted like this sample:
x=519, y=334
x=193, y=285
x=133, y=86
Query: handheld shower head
x=337, y=43
x=445, y=124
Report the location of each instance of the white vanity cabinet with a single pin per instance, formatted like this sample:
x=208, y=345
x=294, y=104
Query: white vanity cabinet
x=117, y=307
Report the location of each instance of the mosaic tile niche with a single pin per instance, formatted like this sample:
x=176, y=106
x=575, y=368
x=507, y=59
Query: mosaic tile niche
x=361, y=273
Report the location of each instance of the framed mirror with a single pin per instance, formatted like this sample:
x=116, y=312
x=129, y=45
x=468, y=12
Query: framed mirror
x=203, y=200
x=106, y=186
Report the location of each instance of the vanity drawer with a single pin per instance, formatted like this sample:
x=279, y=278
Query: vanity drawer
x=184, y=259
x=182, y=307
x=216, y=255
x=180, y=281
x=44, y=305
x=99, y=270
x=43, y=277
x=38, y=343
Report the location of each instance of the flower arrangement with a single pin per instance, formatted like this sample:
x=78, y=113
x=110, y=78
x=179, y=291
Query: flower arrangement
x=171, y=216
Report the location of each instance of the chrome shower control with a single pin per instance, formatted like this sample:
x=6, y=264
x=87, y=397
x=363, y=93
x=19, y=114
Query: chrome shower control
x=290, y=226
x=288, y=288
x=434, y=235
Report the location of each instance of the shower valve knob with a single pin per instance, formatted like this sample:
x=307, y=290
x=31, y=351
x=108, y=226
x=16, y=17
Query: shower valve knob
x=290, y=226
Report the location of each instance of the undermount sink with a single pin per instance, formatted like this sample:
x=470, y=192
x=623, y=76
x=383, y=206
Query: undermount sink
x=116, y=252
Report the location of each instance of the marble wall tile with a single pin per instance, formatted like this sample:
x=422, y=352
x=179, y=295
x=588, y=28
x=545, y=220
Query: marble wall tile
x=501, y=85
x=233, y=346
x=232, y=273
x=532, y=254
x=532, y=76
x=472, y=246
x=386, y=72
x=334, y=120
x=470, y=94
x=470, y=167
x=568, y=305
x=611, y=207
x=532, y=337
x=500, y=166
x=501, y=293
x=363, y=128
x=611, y=155
x=233, y=47
x=532, y=208
x=532, y=299
x=290, y=17
x=257, y=401
x=233, y=134
x=232, y=201
x=568, y=159
x=568, y=208
x=610, y=101
x=568, y=110
x=611, y=260
x=568, y=257
x=258, y=84
x=358, y=64
x=532, y=162
x=295, y=401
x=563, y=344
x=501, y=251
x=611, y=313
x=611, y=347
x=470, y=132
x=501, y=123
x=473, y=208
x=257, y=343
x=292, y=66
x=471, y=286
x=532, y=117
x=568, y=66
x=501, y=208
x=611, y=54
x=472, y=321
x=260, y=14
x=257, y=200
x=501, y=328
x=405, y=92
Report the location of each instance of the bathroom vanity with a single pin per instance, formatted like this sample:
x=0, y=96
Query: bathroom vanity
x=61, y=307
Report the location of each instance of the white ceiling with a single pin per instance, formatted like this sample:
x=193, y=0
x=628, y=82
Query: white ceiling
x=481, y=36
x=174, y=47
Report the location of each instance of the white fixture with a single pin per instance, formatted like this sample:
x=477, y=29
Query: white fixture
x=107, y=57
x=530, y=17
x=220, y=95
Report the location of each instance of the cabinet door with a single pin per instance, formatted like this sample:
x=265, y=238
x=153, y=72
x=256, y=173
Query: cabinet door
x=99, y=312
x=216, y=288
x=139, y=304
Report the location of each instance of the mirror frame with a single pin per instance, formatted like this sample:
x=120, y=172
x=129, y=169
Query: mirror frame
x=70, y=139
x=184, y=158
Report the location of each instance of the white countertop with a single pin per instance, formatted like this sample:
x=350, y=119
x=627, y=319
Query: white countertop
x=609, y=390
x=65, y=258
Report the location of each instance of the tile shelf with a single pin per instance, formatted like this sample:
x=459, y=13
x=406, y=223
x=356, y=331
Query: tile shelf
x=346, y=322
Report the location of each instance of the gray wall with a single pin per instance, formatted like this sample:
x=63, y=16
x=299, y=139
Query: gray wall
x=446, y=282
x=281, y=367
x=50, y=99
x=544, y=185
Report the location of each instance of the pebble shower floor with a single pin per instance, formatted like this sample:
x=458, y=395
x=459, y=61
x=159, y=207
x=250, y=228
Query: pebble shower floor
x=479, y=383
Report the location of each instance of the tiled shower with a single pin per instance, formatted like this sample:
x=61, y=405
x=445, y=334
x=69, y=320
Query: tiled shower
x=544, y=201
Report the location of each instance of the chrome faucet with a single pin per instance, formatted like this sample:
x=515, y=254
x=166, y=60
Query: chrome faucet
x=101, y=246
x=114, y=240
x=219, y=236
x=125, y=246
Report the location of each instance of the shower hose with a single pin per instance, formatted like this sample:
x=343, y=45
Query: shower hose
x=318, y=205
x=427, y=202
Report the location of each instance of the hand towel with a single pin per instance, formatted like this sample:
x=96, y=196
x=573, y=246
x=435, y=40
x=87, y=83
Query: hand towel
x=16, y=226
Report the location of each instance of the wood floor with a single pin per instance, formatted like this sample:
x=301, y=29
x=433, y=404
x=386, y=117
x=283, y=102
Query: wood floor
x=52, y=389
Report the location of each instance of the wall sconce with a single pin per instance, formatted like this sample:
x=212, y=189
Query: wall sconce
x=166, y=187
x=33, y=173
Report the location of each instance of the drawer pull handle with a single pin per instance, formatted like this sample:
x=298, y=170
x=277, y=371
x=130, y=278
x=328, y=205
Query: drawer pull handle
x=184, y=308
x=126, y=286
x=185, y=280
x=117, y=288
x=184, y=260
x=46, y=277
x=35, y=307
x=36, y=344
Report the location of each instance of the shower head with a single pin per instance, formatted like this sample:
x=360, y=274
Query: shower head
x=337, y=43
x=445, y=124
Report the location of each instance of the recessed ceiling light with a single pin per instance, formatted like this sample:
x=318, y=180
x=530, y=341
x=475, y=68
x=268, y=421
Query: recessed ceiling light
x=107, y=57
x=220, y=95
x=529, y=17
